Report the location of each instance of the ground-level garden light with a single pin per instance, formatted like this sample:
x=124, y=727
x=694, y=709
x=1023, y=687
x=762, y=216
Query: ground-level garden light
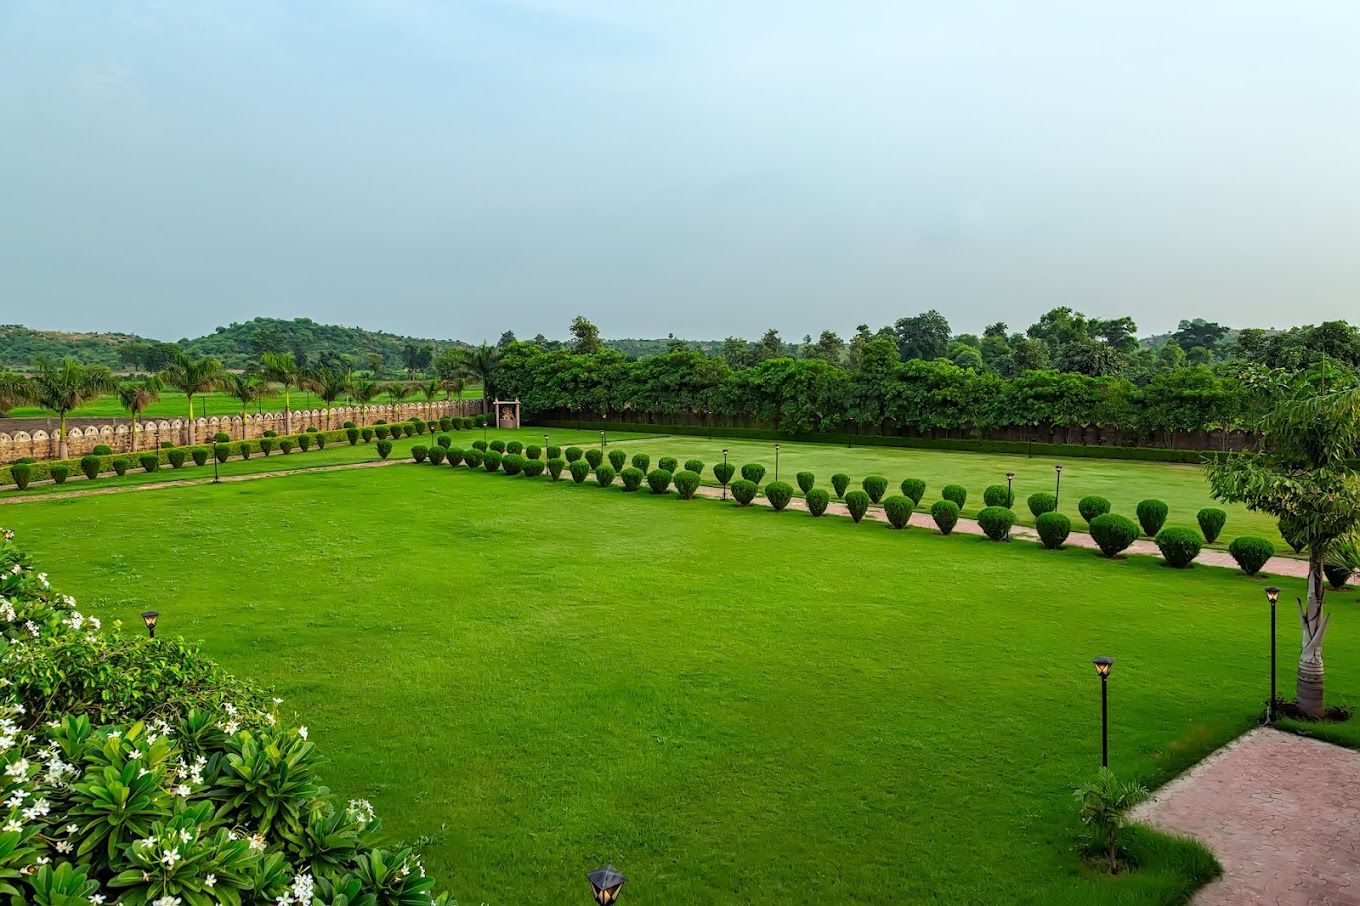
x=1273, y=596
x=1057, y=484
x=149, y=617
x=605, y=884
x=1103, y=665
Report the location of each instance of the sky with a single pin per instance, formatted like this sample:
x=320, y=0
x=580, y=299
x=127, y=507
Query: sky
x=699, y=168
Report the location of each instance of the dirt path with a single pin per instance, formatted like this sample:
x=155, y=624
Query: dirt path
x=1282, y=814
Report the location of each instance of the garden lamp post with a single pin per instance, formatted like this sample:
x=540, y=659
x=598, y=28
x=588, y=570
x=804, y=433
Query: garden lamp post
x=604, y=435
x=483, y=435
x=1057, y=484
x=724, y=484
x=1103, y=665
x=602, y=441
x=1010, y=494
x=149, y=617
x=216, y=479
x=776, y=462
x=849, y=427
x=545, y=448
x=605, y=884
x=1272, y=595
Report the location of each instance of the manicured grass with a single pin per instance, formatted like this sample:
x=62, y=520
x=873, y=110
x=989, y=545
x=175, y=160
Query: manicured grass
x=172, y=404
x=1122, y=482
x=729, y=704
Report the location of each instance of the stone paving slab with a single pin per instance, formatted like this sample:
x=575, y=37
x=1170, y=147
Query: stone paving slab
x=1282, y=814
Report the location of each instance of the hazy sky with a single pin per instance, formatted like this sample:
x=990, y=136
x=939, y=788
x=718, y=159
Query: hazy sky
x=705, y=168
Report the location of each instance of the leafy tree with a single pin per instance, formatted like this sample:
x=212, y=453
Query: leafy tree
x=829, y=348
x=396, y=392
x=1199, y=332
x=329, y=384
x=925, y=336
x=136, y=395
x=67, y=386
x=479, y=363
x=770, y=346
x=585, y=335
x=192, y=377
x=1305, y=473
x=364, y=391
x=282, y=368
x=506, y=339
x=14, y=389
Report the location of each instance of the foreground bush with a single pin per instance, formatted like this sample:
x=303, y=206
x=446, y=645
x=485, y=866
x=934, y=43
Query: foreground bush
x=913, y=489
x=806, y=481
x=419, y=452
x=150, y=462
x=512, y=464
x=1179, y=546
x=1113, y=533
x=1251, y=553
x=384, y=449
x=618, y=459
x=222, y=452
x=59, y=472
x=779, y=493
x=491, y=460
x=668, y=464
x=579, y=470
x=199, y=454
x=366, y=434
x=1091, y=507
x=642, y=461
x=1053, y=529
x=996, y=522
x=21, y=473
x=857, y=502
x=594, y=457
x=246, y=448
x=875, y=486
x=604, y=475
x=120, y=465
x=723, y=471
x=744, y=491
x=955, y=492
x=89, y=465
x=898, y=510
x=533, y=468
x=753, y=471
x=632, y=478
x=1211, y=521
x=839, y=482
x=946, y=515
x=286, y=445
x=351, y=435
x=817, y=500
x=659, y=480
x=574, y=453
x=686, y=483
x=176, y=457
x=1151, y=516
x=437, y=454
x=695, y=466
x=555, y=466
x=455, y=455
x=1042, y=502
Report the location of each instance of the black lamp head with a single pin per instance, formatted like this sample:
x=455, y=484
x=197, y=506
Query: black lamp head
x=1103, y=665
x=1272, y=594
x=605, y=883
x=1057, y=467
x=1010, y=476
x=149, y=617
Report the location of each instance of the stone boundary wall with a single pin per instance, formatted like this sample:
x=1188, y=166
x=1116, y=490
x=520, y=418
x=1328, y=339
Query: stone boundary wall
x=151, y=432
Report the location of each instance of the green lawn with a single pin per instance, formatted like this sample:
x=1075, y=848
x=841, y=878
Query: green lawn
x=729, y=704
x=172, y=404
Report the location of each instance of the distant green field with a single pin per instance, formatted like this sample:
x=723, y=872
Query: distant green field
x=173, y=405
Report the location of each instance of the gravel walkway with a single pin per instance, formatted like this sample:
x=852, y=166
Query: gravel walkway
x=1282, y=814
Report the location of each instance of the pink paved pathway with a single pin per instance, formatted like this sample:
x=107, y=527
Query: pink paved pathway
x=1281, y=813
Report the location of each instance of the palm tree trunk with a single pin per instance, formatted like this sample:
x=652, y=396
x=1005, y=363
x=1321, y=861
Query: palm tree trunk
x=190, y=435
x=287, y=412
x=133, y=420
x=1314, y=625
x=61, y=436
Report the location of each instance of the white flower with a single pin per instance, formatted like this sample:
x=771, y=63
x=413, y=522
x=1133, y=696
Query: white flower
x=12, y=826
x=183, y=790
x=63, y=846
x=96, y=898
x=166, y=901
x=17, y=769
x=278, y=701
x=210, y=881
x=257, y=841
x=302, y=731
x=134, y=754
x=170, y=857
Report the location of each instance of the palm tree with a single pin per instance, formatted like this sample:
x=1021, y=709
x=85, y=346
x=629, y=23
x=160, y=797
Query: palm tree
x=364, y=391
x=136, y=395
x=480, y=362
x=398, y=390
x=328, y=383
x=455, y=386
x=281, y=368
x=192, y=376
x=431, y=389
x=64, y=387
x=246, y=389
x=14, y=389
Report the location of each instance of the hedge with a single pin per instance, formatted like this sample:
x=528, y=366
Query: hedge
x=632, y=478
x=1179, y=546
x=744, y=491
x=875, y=486
x=779, y=493
x=996, y=522
x=659, y=480
x=1091, y=507
x=604, y=475
x=817, y=500
x=579, y=470
x=955, y=492
x=946, y=515
x=1042, y=502
x=839, y=482
x=914, y=489
x=1113, y=533
x=1053, y=528
x=686, y=483
x=1251, y=553
x=1151, y=516
x=898, y=510
x=1211, y=521
x=806, y=481
x=857, y=502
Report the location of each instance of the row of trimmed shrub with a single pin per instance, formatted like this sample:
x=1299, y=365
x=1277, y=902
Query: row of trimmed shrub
x=579, y=464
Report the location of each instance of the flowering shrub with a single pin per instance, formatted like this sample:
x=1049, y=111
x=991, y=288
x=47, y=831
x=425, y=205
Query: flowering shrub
x=138, y=772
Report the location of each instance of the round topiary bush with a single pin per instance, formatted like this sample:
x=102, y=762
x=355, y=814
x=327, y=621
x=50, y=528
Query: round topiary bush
x=512, y=464
x=491, y=460
x=444, y=441
x=659, y=480
x=668, y=464
x=594, y=457
x=533, y=452
x=1179, y=546
x=839, y=482
x=946, y=515
x=222, y=452
x=446, y=423
x=366, y=434
x=1091, y=507
x=199, y=454
x=473, y=458
x=320, y=440
x=642, y=461
x=694, y=465
x=407, y=429
x=817, y=500
x=744, y=491
x=269, y=433
x=348, y=424
x=875, y=486
x=59, y=472
x=554, y=452
x=579, y=469
x=996, y=522
x=479, y=446
x=806, y=481
x=913, y=489
x=1251, y=553
x=686, y=483
x=21, y=473
x=574, y=454
x=266, y=445
x=1113, y=533
x=102, y=450
x=632, y=478
x=753, y=471
x=898, y=510
x=955, y=492
x=176, y=457
x=618, y=459
x=221, y=437
x=515, y=447
x=150, y=462
x=437, y=454
x=286, y=446
x=1151, y=516
x=996, y=495
x=723, y=471
x=120, y=466
x=382, y=432
x=352, y=435
x=1053, y=528
x=419, y=425
x=1211, y=521
x=779, y=493
x=555, y=467
x=305, y=442
x=384, y=449
x=312, y=429
x=498, y=446
x=857, y=502
x=419, y=452
x=604, y=475
x=1042, y=502
x=245, y=448
x=533, y=468
x=455, y=455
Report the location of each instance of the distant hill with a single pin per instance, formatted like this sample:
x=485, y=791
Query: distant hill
x=20, y=345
